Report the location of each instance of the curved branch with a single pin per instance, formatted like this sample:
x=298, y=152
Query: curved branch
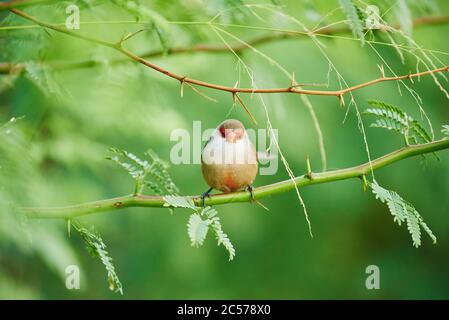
x=6, y=67
x=233, y=90
x=242, y=196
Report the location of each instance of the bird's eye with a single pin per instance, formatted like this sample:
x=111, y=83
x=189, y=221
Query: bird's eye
x=222, y=131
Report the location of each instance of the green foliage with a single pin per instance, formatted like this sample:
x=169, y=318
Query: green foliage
x=445, y=130
x=23, y=242
x=156, y=21
x=404, y=16
x=221, y=237
x=179, y=202
x=392, y=118
x=402, y=211
x=45, y=79
x=97, y=248
x=197, y=229
x=353, y=14
x=18, y=46
x=425, y=6
x=200, y=222
x=7, y=82
x=48, y=165
x=151, y=173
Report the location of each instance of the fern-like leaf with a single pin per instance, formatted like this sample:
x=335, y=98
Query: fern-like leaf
x=396, y=206
x=221, y=237
x=161, y=171
x=96, y=246
x=197, y=229
x=151, y=173
x=179, y=202
x=355, y=22
x=402, y=211
x=201, y=222
x=445, y=130
x=420, y=132
x=45, y=79
x=132, y=170
x=392, y=118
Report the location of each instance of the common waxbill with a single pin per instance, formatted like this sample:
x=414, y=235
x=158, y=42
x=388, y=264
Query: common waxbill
x=229, y=159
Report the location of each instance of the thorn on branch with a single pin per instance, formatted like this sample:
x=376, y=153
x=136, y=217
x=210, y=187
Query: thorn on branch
x=341, y=99
x=181, y=88
x=234, y=99
x=365, y=182
x=205, y=96
x=309, y=174
x=294, y=83
x=236, y=96
x=128, y=36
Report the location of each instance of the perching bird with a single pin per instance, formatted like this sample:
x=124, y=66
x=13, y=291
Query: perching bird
x=229, y=159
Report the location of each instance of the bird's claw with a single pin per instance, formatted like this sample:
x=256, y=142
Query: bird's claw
x=250, y=188
x=204, y=195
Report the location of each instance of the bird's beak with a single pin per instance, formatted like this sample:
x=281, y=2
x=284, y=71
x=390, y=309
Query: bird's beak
x=231, y=136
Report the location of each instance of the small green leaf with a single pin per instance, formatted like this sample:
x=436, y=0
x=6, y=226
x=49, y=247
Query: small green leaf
x=392, y=118
x=150, y=173
x=96, y=247
x=221, y=237
x=445, y=130
x=45, y=79
x=197, y=229
x=353, y=15
x=402, y=211
x=179, y=202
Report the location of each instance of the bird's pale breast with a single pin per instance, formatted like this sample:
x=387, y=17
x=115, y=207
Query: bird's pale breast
x=229, y=166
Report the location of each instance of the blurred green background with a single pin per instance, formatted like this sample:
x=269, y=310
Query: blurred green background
x=55, y=155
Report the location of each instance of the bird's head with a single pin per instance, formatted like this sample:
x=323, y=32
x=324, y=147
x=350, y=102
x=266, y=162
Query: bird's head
x=231, y=130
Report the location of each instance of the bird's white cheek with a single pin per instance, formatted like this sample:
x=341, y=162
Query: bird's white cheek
x=218, y=151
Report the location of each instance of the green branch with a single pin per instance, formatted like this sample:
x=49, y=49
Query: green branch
x=242, y=196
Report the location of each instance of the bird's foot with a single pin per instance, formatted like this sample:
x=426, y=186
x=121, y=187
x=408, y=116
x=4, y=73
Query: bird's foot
x=250, y=188
x=204, y=195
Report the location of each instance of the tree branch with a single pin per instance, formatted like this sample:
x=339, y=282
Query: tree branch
x=6, y=67
x=184, y=79
x=242, y=196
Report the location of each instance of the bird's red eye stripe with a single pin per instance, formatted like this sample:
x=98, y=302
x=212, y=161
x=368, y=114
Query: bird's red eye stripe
x=222, y=131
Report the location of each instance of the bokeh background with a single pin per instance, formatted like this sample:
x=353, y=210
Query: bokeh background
x=54, y=154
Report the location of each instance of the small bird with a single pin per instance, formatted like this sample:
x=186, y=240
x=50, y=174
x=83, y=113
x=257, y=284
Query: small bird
x=229, y=159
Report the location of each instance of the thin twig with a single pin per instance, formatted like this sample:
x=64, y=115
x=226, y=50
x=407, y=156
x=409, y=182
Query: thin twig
x=131, y=55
